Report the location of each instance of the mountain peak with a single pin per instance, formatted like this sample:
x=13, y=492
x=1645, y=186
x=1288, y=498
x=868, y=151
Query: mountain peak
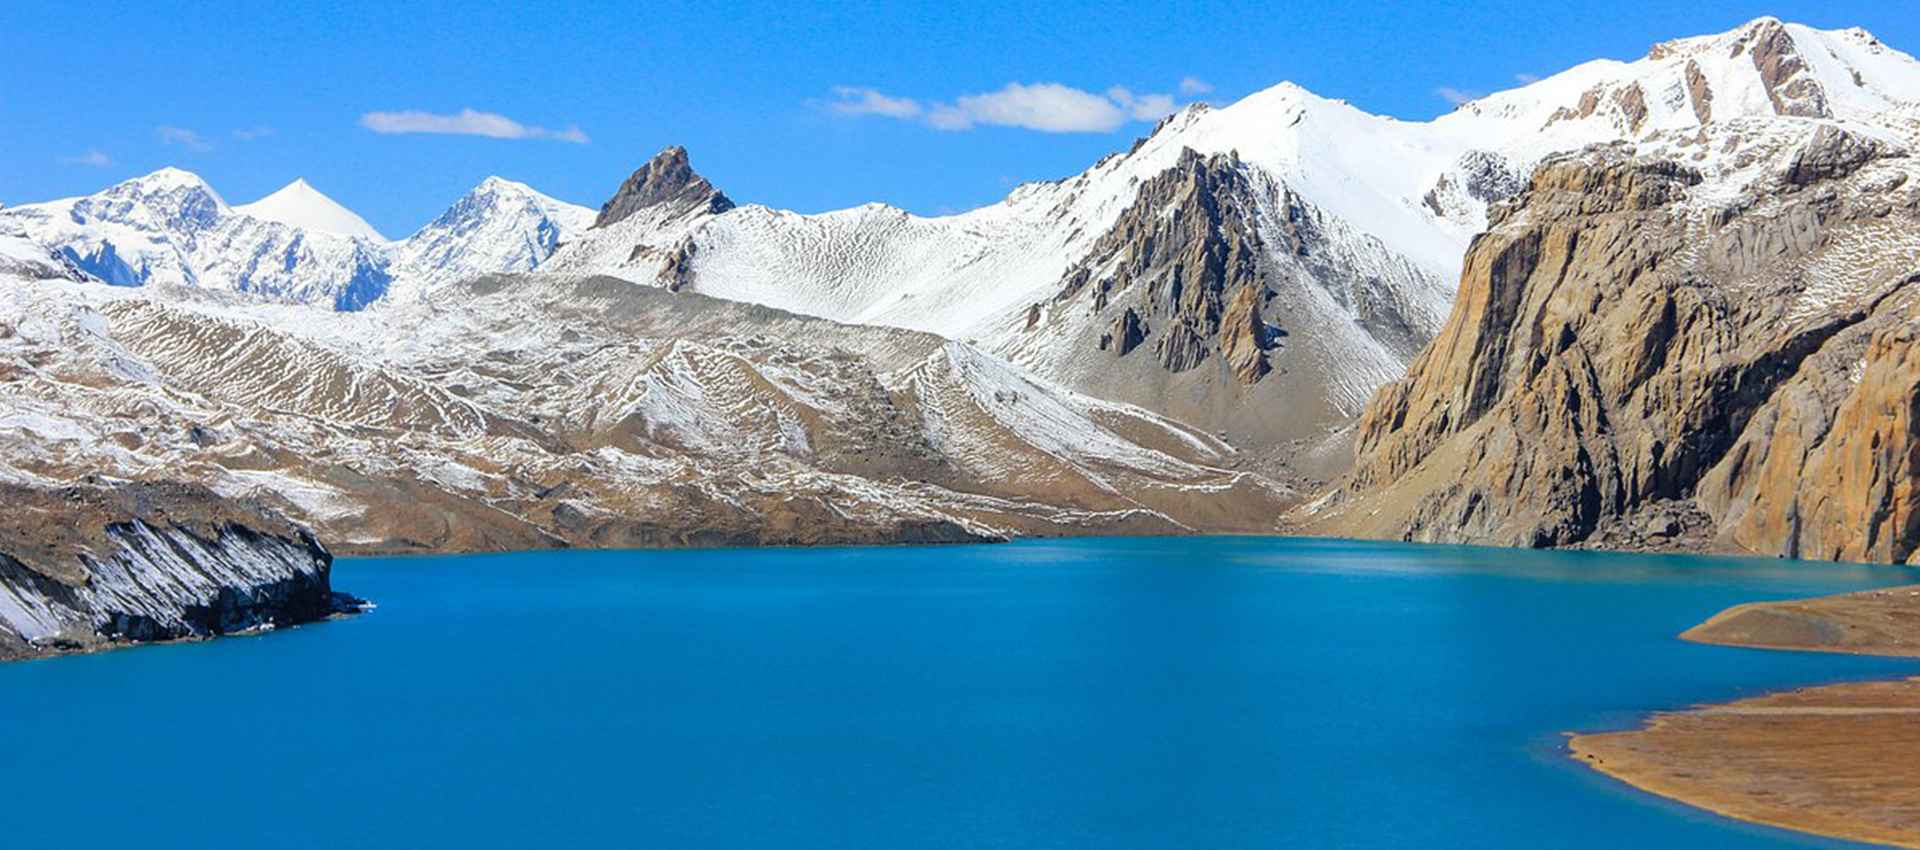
x=301, y=205
x=666, y=178
x=166, y=179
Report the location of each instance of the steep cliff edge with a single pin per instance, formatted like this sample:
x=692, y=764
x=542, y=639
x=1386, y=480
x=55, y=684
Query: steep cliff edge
x=90, y=567
x=1642, y=350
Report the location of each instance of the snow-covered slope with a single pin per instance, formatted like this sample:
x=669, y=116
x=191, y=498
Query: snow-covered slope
x=22, y=257
x=1349, y=211
x=950, y=274
x=301, y=205
x=500, y=226
x=170, y=227
x=534, y=410
x=296, y=245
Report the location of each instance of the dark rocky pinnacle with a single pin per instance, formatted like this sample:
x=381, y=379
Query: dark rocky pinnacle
x=667, y=178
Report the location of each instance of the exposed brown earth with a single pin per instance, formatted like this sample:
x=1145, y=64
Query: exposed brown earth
x=1840, y=760
x=591, y=412
x=542, y=412
x=1873, y=622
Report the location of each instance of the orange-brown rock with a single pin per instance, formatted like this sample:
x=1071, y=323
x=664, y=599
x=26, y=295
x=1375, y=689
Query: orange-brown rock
x=1244, y=336
x=1632, y=102
x=1699, y=93
x=1620, y=343
x=1790, y=85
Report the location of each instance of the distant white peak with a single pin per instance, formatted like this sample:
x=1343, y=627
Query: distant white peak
x=502, y=184
x=301, y=205
x=162, y=182
x=496, y=190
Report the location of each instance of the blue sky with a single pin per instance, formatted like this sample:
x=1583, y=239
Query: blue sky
x=253, y=95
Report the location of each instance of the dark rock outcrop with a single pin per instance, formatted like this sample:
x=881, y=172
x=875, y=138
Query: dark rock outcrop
x=667, y=178
x=1185, y=253
x=90, y=567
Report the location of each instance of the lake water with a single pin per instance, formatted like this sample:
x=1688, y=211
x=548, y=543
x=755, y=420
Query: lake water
x=1134, y=693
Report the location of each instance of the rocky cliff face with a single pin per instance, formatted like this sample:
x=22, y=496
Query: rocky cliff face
x=1639, y=347
x=1183, y=269
x=87, y=567
x=1221, y=296
x=667, y=179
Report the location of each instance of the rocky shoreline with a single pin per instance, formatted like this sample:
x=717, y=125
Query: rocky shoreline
x=87, y=568
x=1841, y=761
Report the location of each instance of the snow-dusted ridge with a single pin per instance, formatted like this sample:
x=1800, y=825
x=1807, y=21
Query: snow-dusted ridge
x=955, y=274
x=1162, y=342
x=500, y=226
x=1362, y=220
x=1350, y=228
x=295, y=245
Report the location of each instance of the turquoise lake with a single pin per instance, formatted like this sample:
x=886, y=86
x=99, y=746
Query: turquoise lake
x=1107, y=693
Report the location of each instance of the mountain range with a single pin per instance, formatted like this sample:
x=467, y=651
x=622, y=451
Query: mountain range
x=1616, y=306
x=295, y=245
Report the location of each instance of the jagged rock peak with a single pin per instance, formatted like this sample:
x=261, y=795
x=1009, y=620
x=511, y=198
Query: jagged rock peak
x=666, y=178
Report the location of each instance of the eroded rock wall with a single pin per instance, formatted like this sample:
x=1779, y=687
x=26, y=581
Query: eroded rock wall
x=1632, y=346
x=88, y=567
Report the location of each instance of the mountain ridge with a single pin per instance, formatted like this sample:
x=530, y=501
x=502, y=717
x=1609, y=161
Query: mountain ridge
x=171, y=227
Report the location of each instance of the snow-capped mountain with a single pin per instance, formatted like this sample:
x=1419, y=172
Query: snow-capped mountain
x=1347, y=229
x=170, y=227
x=1257, y=268
x=500, y=226
x=300, y=205
x=295, y=245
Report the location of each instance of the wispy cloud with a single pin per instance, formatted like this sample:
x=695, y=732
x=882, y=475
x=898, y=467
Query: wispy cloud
x=1194, y=86
x=1455, y=96
x=248, y=134
x=92, y=159
x=466, y=122
x=1526, y=79
x=1045, y=107
x=1143, y=107
x=183, y=137
x=857, y=100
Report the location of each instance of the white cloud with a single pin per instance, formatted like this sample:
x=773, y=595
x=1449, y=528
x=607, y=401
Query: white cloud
x=1455, y=96
x=856, y=100
x=1526, y=79
x=1046, y=107
x=1194, y=86
x=248, y=134
x=93, y=158
x=1146, y=107
x=183, y=137
x=466, y=122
